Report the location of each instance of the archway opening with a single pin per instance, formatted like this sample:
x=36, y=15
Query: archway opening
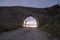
x=30, y=22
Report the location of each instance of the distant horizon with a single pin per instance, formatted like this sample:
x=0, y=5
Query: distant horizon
x=29, y=3
x=27, y=6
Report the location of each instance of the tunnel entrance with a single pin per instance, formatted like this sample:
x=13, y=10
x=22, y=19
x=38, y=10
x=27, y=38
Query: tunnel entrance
x=30, y=22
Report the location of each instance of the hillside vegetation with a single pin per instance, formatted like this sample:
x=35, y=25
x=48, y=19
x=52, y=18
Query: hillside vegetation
x=53, y=26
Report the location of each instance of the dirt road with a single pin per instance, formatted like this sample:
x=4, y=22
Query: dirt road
x=24, y=34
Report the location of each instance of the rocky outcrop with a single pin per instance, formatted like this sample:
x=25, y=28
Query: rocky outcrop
x=15, y=15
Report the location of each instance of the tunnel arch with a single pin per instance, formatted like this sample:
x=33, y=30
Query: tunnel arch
x=30, y=22
x=34, y=16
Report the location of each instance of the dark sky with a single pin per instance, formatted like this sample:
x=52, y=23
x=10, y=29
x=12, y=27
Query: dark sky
x=29, y=3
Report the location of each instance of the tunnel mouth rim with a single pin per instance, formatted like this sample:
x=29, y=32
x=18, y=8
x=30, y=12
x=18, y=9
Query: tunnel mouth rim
x=35, y=17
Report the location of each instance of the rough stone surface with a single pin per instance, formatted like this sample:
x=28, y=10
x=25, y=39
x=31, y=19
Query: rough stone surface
x=15, y=15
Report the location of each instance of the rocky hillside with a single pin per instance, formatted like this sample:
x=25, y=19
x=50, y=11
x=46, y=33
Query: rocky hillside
x=49, y=18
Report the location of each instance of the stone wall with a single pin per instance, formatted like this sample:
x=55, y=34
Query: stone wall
x=15, y=15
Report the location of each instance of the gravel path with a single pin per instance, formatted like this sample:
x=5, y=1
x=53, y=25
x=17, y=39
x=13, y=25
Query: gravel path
x=24, y=34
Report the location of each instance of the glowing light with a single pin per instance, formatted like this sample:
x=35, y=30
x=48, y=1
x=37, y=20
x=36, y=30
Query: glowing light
x=30, y=22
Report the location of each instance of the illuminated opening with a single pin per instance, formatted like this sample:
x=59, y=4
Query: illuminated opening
x=30, y=22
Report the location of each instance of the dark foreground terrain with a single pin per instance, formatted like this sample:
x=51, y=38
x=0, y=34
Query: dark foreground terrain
x=24, y=34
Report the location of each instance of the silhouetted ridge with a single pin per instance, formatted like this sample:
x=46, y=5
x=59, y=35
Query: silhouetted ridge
x=49, y=10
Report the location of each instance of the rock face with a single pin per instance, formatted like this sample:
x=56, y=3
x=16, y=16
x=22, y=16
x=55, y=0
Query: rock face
x=15, y=15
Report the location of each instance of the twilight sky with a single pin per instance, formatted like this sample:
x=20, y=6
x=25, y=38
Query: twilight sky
x=29, y=3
